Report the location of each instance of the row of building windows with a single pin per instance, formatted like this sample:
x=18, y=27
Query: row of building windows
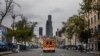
x=96, y=29
x=94, y=19
x=98, y=16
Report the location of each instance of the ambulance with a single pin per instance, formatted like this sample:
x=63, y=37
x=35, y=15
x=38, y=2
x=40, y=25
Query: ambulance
x=49, y=45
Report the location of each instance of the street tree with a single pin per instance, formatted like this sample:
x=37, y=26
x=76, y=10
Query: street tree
x=9, y=34
x=75, y=25
x=67, y=31
x=85, y=35
x=86, y=6
x=6, y=8
x=24, y=30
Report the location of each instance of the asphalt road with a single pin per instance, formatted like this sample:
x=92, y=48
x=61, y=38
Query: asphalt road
x=59, y=52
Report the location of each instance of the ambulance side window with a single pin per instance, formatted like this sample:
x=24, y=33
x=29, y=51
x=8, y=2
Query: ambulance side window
x=50, y=43
x=47, y=42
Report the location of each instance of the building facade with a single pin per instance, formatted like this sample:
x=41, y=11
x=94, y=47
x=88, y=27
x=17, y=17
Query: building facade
x=93, y=18
x=3, y=31
x=49, y=28
x=3, y=35
x=40, y=31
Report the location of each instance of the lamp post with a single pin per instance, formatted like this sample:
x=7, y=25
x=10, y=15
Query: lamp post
x=13, y=17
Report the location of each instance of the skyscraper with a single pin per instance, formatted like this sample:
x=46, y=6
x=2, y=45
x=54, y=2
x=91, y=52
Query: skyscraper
x=58, y=33
x=49, y=29
x=40, y=31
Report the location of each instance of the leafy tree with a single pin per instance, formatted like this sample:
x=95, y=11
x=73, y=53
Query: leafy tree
x=9, y=35
x=24, y=30
x=86, y=6
x=75, y=25
x=96, y=6
x=85, y=35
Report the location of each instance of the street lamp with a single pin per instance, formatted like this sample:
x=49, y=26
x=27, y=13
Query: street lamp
x=13, y=17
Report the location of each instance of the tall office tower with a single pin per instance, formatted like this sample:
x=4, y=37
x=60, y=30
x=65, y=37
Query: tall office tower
x=49, y=28
x=40, y=31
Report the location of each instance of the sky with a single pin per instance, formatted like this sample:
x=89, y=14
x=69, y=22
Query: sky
x=38, y=10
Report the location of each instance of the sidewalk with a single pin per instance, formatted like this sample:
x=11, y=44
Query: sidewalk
x=94, y=52
x=5, y=53
x=9, y=52
x=89, y=52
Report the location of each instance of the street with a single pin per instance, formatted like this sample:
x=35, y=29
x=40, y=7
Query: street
x=59, y=52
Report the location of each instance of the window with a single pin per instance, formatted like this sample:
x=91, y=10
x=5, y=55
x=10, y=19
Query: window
x=91, y=20
x=95, y=19
x=88, y=21
x=50, y=43
x=98, y=16
x=47, y=43
x=95, y=29
x=99, y=28
x=91, y=30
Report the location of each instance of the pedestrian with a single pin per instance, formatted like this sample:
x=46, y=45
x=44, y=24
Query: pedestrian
x=13, y=49
x=17, y=49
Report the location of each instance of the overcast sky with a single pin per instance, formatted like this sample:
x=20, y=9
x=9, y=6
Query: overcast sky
x=38, y=10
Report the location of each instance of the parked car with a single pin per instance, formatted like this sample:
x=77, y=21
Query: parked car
x=3, y=48
x=35, y=46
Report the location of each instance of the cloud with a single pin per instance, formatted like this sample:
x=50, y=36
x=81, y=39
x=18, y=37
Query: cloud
x=38, y=10
x=57, y=10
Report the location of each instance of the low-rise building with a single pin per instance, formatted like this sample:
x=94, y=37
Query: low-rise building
x=93, y=18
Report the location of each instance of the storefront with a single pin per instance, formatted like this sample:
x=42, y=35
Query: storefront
x=2, y=38
x=99, y=44
x=94, y=44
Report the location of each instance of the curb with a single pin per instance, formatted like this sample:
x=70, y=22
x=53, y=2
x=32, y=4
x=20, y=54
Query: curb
x=5, y=53
x=94, y=53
